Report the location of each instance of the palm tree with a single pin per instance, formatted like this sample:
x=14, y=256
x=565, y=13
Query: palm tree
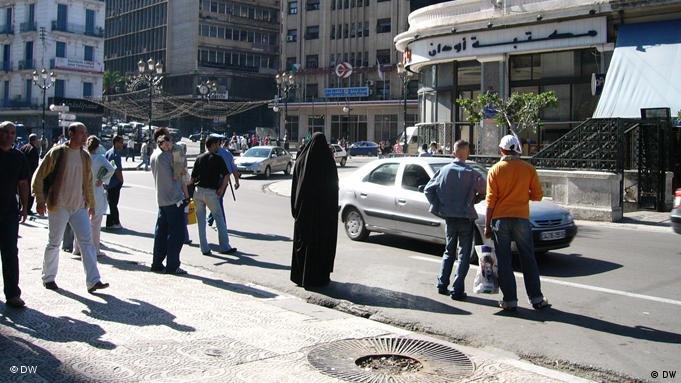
x=113, y=82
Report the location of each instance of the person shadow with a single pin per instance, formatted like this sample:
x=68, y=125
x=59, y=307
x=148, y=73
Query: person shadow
x=61, y=329
x=138, y=313
x=246, y=259
x=380, y=297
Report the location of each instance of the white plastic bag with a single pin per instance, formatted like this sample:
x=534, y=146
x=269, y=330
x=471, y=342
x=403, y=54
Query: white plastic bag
x=487, y=278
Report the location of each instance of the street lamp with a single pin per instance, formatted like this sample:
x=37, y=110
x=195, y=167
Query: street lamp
x=44, y=82
x=150, y=73
x=346, y=109
x=207, y=90
x=286, y=83
x=405, y=76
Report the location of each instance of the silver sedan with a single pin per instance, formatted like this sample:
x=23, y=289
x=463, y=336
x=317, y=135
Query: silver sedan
x=264, y=160
x=384, y=196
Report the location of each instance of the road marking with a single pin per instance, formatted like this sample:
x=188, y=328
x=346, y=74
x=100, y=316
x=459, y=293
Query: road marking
x=139, y=186
x=577, y=285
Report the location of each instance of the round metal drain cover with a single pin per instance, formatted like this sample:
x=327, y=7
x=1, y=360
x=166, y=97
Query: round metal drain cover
x=396, y=360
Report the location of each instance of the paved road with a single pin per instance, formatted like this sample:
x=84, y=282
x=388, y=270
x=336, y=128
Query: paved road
x=616, y=291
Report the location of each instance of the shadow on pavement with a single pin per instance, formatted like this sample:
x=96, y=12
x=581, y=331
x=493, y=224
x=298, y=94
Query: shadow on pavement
x=558, y=316
x=379, y=297
x=47, y=366
x=573, y=265
x=54, y=329
x=406, y=244
x=258, y=236
x=246, y=259
x=126, y=231
x=138, y=314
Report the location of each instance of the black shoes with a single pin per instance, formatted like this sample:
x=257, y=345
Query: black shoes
x=442, y=290
x=15, y=302
x=51, y=285
x=157, y=269
x=459, y=297
x=97, y=286
x=230, y=251
x=177, y=271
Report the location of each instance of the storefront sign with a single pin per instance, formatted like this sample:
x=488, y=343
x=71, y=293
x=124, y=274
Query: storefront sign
x=77, y=64
x=360, y=91
x=560, y=35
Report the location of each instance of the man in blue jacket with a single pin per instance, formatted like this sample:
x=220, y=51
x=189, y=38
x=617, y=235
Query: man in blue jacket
x=452, y=192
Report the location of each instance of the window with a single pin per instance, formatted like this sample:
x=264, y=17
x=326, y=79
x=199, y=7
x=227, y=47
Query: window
x=383, y=175
x=87, y=89
x=333, y=32
x=312, y=32
x=29, y=90
x=61, y=49
x=385, y=127
x=315, y=124
x=311, y=92
x=312, y=61
x=292, y=7
x=312, y=5
x=382, y=89
x=290, y=63
x=345, y=31
x=59, y=88
x=413, y=177
x=383, y=25
x=88, y=53
x=292, y=35
x=383, y=56
x=291, y=126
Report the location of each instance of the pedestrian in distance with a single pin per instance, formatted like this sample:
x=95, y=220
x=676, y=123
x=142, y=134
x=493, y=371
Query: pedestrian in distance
x=511, y=184
x=211, y=178
x=130, y=153
x=13, y=177
x=113, y=188
x=314, y=206
x=170, y=224
x=32, y=152
x=145, y=151
x=452, y=193
x=64, y=183
x=102, y=171
x=423, y=152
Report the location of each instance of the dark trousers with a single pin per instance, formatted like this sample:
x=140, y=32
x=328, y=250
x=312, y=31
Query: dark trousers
x=168, y=237
x=113, y=195
x=9, y=233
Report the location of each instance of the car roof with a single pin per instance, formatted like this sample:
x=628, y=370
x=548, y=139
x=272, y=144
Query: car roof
x=427, y=160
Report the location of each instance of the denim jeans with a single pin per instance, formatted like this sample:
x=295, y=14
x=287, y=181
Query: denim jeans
x=80, y=223
x=168, y=237
x=9, y=232
x=459, y=230
x=113, y=195
x=520, y=231
x=209, y=198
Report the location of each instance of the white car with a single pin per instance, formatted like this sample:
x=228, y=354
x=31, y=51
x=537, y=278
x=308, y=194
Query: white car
x=339, y=154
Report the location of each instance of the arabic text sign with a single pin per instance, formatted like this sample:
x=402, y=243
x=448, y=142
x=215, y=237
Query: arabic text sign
x=559, y=35
x=78, y=64
x=360, y=91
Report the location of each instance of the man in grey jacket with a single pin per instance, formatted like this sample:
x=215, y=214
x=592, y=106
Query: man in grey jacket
x=452, y=192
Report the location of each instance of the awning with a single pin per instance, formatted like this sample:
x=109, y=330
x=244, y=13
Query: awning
x=645, y=71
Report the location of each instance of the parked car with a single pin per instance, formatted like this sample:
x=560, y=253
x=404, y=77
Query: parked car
x=339, y=154
x=676, y=212
x=384, y=196
x=363, y=148
x=264, y=160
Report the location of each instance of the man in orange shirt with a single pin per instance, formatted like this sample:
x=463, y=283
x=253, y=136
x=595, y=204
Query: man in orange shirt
x=511, y=184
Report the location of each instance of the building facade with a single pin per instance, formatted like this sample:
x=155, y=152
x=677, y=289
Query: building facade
x=234, y=43
x=66, y=38
x=316, y=37
x=463, y=48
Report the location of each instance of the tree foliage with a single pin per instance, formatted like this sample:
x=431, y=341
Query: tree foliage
x=517, y=113
x=113, y=82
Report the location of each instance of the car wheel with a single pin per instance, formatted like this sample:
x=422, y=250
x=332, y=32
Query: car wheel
x=354, y=225
x=268, y=172
x=287, y=171
x=343, y=161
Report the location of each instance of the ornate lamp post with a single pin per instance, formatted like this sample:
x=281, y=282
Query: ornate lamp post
x=207, y=90
x=405, y=76
x=44, y=82
x=151, y=75
x=286, y=83
x=346, y=109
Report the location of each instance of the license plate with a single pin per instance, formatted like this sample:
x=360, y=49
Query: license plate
x=552, y=235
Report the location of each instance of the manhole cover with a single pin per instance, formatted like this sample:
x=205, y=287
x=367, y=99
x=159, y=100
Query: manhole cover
x=397, y=360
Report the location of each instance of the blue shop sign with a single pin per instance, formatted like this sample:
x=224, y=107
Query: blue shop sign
x=359, y=91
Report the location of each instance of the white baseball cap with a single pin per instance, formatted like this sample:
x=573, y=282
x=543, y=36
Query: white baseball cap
x=510, y=142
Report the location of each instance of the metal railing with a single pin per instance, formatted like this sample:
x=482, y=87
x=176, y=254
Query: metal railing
x=6, y=66
x=28, y=26
x=77, y=29
x=6, y=30
x=26, y=64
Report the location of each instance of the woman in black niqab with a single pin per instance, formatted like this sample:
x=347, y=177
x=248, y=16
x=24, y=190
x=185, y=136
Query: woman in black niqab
x=314, y=205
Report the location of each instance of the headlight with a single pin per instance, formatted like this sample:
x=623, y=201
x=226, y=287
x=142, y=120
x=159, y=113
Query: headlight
x=568, y=218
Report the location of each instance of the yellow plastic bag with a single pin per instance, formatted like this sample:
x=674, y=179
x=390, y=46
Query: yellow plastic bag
x=191, y=213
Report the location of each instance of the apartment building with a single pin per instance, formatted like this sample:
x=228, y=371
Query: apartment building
x=66, y=38
x=317, y=36
x=234, y=43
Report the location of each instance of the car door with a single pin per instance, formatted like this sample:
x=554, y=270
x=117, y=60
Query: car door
x=376, y=196
x=412, y=210
x=280, y=160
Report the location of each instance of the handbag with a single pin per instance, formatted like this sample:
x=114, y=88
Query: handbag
x=191, y=213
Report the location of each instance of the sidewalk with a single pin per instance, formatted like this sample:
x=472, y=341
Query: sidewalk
x=197, y=328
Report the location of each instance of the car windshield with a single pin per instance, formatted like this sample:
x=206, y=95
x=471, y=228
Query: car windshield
x=257, y=152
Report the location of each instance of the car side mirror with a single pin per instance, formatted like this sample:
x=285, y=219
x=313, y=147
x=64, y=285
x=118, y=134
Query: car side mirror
x=421, y=188
x=273, y=155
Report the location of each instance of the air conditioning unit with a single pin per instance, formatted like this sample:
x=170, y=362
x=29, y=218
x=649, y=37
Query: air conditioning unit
x=290, y=38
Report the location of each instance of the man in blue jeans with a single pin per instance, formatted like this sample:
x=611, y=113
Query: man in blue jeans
x=452, y=192
x=169, y=233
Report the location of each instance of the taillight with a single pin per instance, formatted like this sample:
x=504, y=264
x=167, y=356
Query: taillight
x=677, y=199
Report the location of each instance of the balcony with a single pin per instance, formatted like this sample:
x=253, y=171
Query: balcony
x=77, y=29
x=29, y=26
x=5, y=66
x=26, y=64
x=6, y=30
